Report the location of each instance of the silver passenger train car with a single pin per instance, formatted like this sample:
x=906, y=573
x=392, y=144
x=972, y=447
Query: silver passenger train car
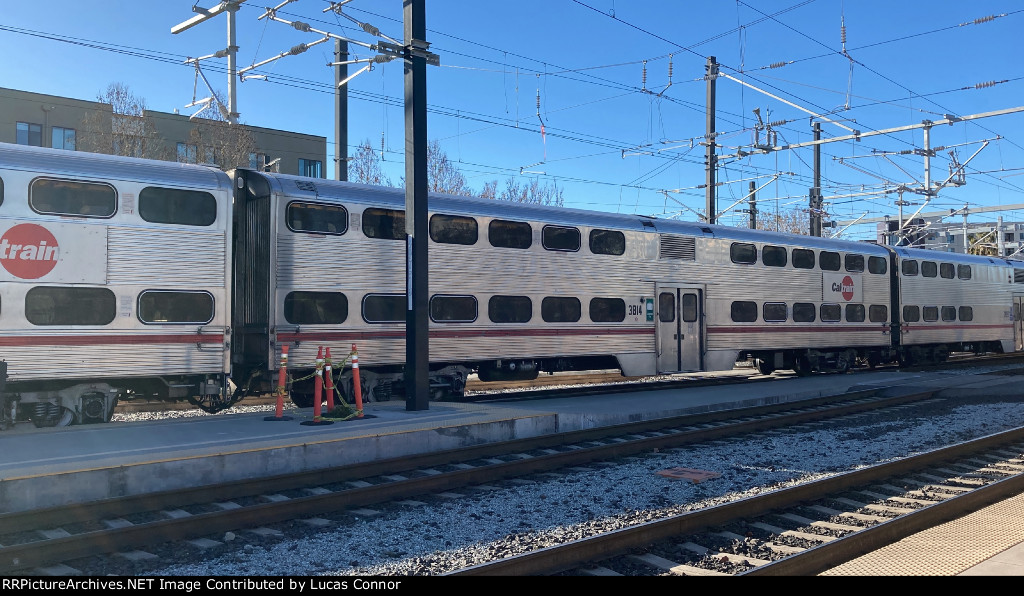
x=123, y=277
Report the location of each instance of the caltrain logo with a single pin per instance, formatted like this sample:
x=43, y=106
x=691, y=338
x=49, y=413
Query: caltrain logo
x=28, y=251
x=844, y=287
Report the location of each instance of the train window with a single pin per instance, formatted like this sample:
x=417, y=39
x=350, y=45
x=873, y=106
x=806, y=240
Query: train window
x=929, y=269
x=607, y=310
x=388, y=224
x=555, y=309
x=689, y=308
x=930, y=313
x=878, y=313
x=1, y=191
x=911, y=314
x=877, y=265
x=774, y=256
x=967, y=313
x=854, y=263
x=829, y=261
x=831, y=313
x=947, y=271
x=72, y=197
x=774, y=312
x=315, y=308
x=804, y=312
x=509, y=234
x=963, y=271
x=161, y=306
x=317, y=219
x=855, y=313
x=70, y=306
x=743, y=253
x=803, y=258
x=453, y=229
x=909, y=267
x=452, y=309
x=561, y=238
x=948, y=313
x=510, y=309
x=177, y=206
x=384, y=308
x=607, y=242
x=666, y=307
x=744, y=311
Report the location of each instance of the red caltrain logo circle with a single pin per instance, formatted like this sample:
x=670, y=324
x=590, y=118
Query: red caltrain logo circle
x=28, y=251
x=847, y=288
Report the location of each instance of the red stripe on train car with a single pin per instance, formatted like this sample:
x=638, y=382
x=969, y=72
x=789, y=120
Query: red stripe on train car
x=97, y=340
x=461, y=333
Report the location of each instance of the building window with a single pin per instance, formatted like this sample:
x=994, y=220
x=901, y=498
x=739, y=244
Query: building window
x=315, y=308
x=177, y=206
x=29, y=134
x=159, y=306
x=209, y=156
x=257, y=161
x=188, y=153
x=62, y=138
x=311, y=168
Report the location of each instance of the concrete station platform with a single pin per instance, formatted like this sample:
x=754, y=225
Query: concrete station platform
x=57, y=466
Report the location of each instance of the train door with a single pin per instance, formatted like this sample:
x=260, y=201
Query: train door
x=1018, y=323
x=680, y=328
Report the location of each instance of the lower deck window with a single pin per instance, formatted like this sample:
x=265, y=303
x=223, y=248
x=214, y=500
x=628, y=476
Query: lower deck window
x=315, y=308
x=164, y=306
x=453, y=309
x=554, y=309
x=607, y=310
x=804, y=312
x=510, y=309
x=774, y=312
x=967, y=313
x=384, y=308
x=743, y=311
x=70, y=306
x=831, y=312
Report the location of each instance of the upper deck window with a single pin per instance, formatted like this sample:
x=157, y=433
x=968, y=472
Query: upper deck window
x=743, y=253
x=177, y=206
x=561, y=238
x=317, y=218
x=803, y=258
x=963, y=271
x=607, y=242
x=855, y=263
x=909, y=267
x=509, y=234
x=877, y=265
x=388, y=224
x=947, y=271
x=774, y=256
x=72, y=197
x=829, y=261
x=453, y=229
x=929, y=269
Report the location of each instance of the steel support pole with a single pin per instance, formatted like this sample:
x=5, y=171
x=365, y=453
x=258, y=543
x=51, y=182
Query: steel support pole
x=815, y=199
x=711, y=161
x=340, y=111
x=417, y=345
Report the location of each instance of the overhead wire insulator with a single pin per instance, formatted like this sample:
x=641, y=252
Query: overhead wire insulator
x=304, y=27
x=374, y=31
x=644, y=77
x=985, y=19
x=777, y=64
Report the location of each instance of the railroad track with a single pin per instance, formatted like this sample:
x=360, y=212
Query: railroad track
x=64, y=535
x=803, y=530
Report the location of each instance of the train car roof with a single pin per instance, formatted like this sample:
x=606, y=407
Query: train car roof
x=906, y=252
x=99, y=166
x=311, y=189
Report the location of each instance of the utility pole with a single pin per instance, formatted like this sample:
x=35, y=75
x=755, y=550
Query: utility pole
x=753, y=205
x=815, y=204
x=230, y=7
x=711, y=163
x=417, y=344
x=340, y=110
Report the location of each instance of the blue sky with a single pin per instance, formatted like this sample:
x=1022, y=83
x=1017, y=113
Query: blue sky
x=621, y=135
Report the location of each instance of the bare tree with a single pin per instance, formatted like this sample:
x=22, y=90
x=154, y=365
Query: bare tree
x=792, y=221
x=364, y=167
x=219, y=142
x=126, y=130
x=533, y=193
x=443, y=175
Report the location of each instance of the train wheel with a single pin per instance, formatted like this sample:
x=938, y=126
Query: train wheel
x=802, y=366
x=64, y=417
x=763, y=367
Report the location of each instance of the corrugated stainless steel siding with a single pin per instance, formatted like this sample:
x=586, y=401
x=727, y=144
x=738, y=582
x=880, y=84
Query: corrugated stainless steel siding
x=166, y=258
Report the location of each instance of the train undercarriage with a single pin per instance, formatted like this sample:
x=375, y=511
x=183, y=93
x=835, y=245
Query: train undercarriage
x=840, y=360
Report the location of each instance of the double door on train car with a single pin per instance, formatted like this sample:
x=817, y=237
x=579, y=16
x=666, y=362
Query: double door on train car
x=1018, y=322
x=680, y=328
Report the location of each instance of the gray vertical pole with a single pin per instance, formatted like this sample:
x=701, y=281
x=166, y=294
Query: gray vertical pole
x=711, y=163
x=815, y=199
x=753, y=205
x=417, y=354
x=232, y=68
x=340, y=111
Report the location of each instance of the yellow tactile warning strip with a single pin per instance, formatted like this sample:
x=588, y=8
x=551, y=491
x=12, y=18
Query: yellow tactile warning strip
x=949, y=549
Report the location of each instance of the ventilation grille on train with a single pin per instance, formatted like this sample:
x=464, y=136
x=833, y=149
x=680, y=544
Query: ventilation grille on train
x=1018, y=276
x=304, y=185
x=677, y=247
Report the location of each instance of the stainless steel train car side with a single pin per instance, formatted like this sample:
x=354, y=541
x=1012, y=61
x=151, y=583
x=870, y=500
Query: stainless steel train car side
x=114, y=282
x=953, y=303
